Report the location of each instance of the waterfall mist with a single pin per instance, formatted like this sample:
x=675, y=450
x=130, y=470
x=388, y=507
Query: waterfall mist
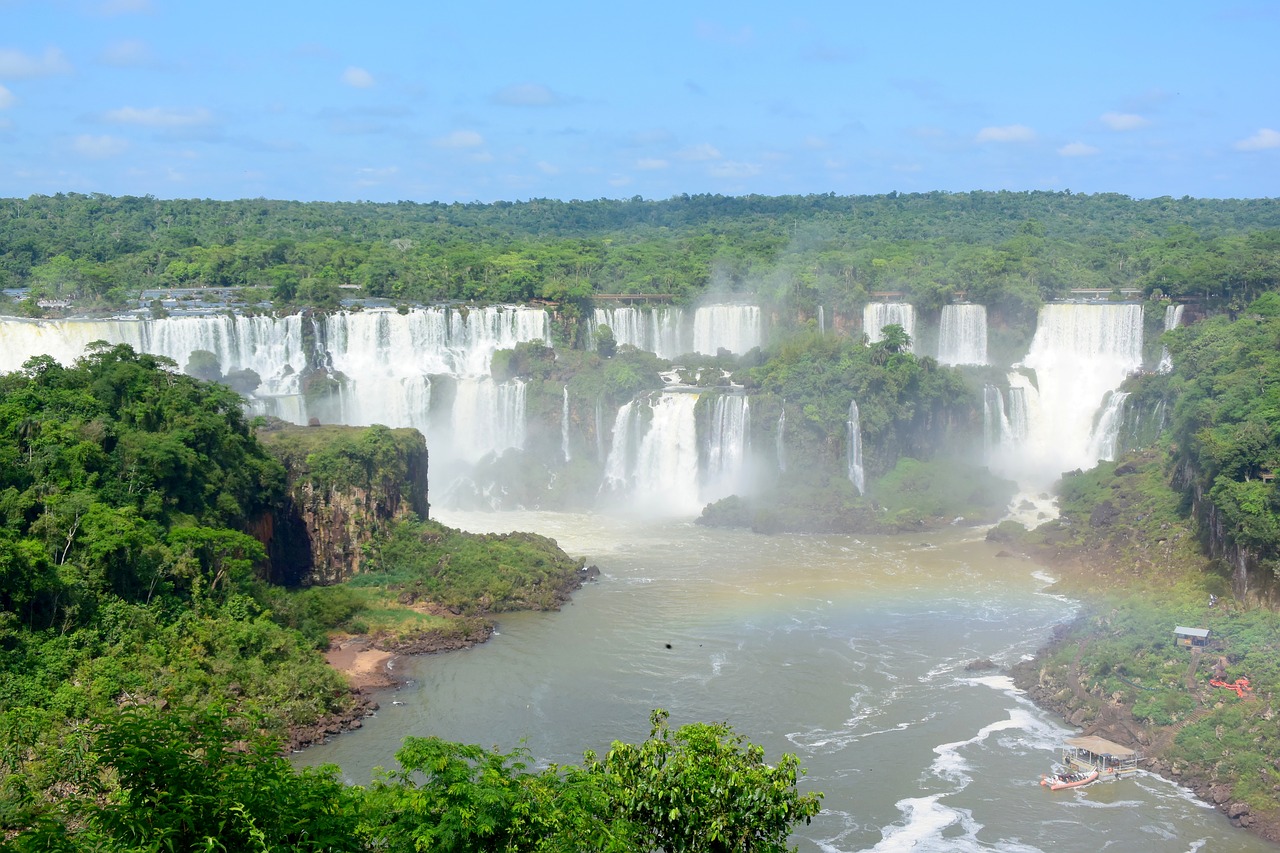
x=1080, y=353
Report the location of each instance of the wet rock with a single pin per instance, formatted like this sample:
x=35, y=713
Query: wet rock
x=979, y=665
x=1237, y=810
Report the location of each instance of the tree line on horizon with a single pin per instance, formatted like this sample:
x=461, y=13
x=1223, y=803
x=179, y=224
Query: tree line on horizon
x=1000, y=248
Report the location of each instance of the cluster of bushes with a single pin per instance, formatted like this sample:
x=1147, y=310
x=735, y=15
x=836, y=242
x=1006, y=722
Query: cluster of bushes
x=142, y=780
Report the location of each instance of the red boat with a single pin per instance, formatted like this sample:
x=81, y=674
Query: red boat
x=1058, y=781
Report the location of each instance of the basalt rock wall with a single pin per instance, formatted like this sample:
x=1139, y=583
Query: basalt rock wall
x=345, y=486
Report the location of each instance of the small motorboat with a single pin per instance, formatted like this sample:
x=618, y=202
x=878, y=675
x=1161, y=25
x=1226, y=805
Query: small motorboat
x=1058, y=781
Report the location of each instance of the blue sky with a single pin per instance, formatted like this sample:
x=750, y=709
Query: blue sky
x=482, y=101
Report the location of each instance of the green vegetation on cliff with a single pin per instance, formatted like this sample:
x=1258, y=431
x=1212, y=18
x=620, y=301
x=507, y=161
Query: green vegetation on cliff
x=913, y=416
x=129, y=576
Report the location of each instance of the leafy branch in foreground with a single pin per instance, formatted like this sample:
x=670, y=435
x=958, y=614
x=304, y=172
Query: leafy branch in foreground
x=212, y=780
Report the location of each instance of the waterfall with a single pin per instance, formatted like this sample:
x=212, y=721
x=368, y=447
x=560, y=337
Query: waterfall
x=621, y=460
x=273, y=348
x=781, y=445
x=488, y=417
x=736, y=328
x=564, y=425
x=658, y=470
x=659, y=330
x=385, y=358
x=727, y=447
x=856, y=474
x=1172, y=320
x=668, y=332
x=601, y=455
x=1079, y=354
x=822, y=322
x=995, y=422
x=877, y=315
x=962, y=337
x=1102, y=443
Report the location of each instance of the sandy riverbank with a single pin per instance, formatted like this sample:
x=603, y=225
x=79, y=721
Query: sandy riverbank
x=365, y=667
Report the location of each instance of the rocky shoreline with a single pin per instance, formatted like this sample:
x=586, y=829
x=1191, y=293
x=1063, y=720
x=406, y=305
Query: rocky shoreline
x=1106, y=716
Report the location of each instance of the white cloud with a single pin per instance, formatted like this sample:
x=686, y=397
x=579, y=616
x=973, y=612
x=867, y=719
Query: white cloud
x=1260, y=141
x=460, y=139
x=370, y=176
x=16, y=64
x=814, y=143
x=735, y=169
x=704, y=151
x=651, y=163
x=159, y=117
x=1077, y=149
x=547, y=168
x=526, y=95
x=1124, y=121
x=7, y=98
x=357, y=77
x=126, y=54
x=99, y=147
x=1007, y=133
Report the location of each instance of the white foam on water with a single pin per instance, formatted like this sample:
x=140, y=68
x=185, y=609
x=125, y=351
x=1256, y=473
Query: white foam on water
x=930, y=826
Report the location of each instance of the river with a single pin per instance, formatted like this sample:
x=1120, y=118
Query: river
x=848, y=651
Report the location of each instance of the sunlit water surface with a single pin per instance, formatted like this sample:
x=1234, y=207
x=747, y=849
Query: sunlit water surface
x=849, y=652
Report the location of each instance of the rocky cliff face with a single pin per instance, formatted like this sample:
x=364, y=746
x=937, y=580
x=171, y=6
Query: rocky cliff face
x=1249, y=579
x=345, y=485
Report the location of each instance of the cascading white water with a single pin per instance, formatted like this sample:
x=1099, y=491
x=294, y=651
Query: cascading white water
x=564, y=426
x=669, y=333
x=656, y=465
x=781, y=445
x=385, y=357
x=1079, y=353
x=488, y=417
x=622, y=451
x=1172, y=320
x=273, y=348
x=822, y=322
x=877, y=315
x=856, y=474
x=727, y=448
x=736, y=328
x=601, y=452
x=1102, y=443
x=962, y=335
x=659, y=330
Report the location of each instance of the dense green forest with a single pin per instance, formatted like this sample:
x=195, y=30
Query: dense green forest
x=129, y=577
x=129, y=581
x=999, y=248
